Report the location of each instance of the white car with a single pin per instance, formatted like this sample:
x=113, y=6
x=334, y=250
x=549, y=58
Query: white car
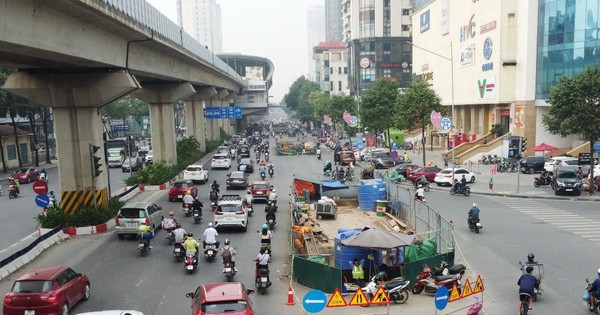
x=559, y=161
x=366, y=156
x=196, y=173
x=444, y=177
x=149, y=158
x=220, y=161
x=230, y=213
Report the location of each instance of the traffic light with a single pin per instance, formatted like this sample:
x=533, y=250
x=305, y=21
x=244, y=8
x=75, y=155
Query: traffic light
x=523, y=144
x=95, y=160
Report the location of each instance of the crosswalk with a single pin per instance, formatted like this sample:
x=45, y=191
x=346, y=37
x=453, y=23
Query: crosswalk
x=564, y=220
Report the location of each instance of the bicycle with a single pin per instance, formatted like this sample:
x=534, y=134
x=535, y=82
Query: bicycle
x=524, y=302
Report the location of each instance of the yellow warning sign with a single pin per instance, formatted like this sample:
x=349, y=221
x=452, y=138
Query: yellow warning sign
x=336, y=300
x=478, y=285
x=466, y=289
x=359, y=299
x=380, y=297
x=454, y=295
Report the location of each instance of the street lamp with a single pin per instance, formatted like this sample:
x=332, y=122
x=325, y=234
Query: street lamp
x=451, y=59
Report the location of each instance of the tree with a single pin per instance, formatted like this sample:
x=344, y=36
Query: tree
x=291, y=99
x=415, y=106
x=575, y=108
x=305, y=110
x=125, y=107
x=340, y=104
x=378, y=103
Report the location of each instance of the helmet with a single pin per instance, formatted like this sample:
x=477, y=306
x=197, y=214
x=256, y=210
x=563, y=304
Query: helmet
x=210, y=224
x=273, y=190
x=171, y=213
x=474, y=205
x=599, y=271
x=530, y=257
x=197, y=198
x=420, y=186
x=226, y=241
x=190, y=234
x=249, y=191
x=188, y=192
x=265, y=226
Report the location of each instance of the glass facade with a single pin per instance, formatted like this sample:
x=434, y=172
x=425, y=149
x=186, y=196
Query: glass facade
x=568, y=40
x=366, y=19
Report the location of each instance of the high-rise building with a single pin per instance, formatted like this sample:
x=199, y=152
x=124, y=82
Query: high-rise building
x=333, y=20
x=202, y=20
x=316, y=34
x=331, y=64
x=377, y=34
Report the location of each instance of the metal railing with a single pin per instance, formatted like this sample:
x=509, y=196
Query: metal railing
x=144, y=14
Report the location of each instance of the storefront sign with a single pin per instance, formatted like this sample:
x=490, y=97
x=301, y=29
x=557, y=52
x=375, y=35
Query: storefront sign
x=365, y=63
x=467, y=56
x=425, y=21
x=487, y=27
x=487, y=87
x=487, y=48
x=390, y=65
x=444, y=21
x=469, y=30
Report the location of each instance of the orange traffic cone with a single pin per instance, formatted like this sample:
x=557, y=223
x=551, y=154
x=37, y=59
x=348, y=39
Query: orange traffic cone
x=290, y=300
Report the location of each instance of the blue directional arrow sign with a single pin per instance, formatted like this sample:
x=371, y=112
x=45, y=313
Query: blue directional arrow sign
x=223, y=112
x=441, y=298
x=42, y=200
x=237, y=112
x=314, y=301
x=208, y=112
x=230, y=112
x=216, y=113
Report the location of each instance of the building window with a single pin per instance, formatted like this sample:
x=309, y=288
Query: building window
x=405, y=12
x=405, y=28
x=367, y=48
x=366, y=18
x=387, y=73
x=331, y=70
x=339, y=70
x=339, y=86
x=345, y=70
x=367, y=75
x=331, y=86
x=387, y=23
x=11, y=151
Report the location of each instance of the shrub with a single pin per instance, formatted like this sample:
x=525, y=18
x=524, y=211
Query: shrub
x=85, y=216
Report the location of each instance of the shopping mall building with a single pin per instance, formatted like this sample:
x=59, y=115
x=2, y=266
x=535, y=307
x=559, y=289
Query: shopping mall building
x=503, y=57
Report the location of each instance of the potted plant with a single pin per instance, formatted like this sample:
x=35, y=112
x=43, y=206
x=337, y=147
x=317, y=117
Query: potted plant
x=497, y=130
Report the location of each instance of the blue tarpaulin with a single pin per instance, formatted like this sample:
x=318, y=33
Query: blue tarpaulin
x=331, y=184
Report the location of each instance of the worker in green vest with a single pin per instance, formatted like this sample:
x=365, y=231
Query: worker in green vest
x=358, y=274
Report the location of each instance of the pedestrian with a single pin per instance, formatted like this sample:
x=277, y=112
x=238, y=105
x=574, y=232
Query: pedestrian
x=445, y=162
x=491, y=184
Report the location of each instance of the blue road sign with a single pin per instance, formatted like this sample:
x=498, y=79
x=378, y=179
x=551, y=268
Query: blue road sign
x=230, y=112
x=314, y=301
x=394, y=154
x=441, y=298
x=237, y=112
x=216, y=113
x=42, y=200
x=223, y=112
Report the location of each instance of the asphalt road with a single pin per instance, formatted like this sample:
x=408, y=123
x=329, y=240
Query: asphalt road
x=21, y=212
x=564, y=235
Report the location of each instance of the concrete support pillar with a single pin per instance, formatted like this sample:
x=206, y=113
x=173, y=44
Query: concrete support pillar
x=161, y=98
x=476, y=125
x=212, y=125
x=75, y=99
x=194, y=109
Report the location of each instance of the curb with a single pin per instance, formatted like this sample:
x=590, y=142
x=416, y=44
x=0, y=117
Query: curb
x=128, y=195
x=153, y=187
x=87, y=230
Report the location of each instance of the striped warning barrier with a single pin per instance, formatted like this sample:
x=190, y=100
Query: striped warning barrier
x=73, y=200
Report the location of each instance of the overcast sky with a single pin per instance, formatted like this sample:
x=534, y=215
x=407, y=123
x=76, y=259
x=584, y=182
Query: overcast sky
x=275, y=29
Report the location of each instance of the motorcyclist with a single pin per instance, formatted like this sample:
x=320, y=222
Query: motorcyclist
x=188, y=199
x=15, y=183
x=210, y=236
x=145, y=232
x=179, y=234
x=215, y=187
x=262, y=163
x=265, y=236
x=248, y=198
x=44, y=175
x=266, y=155
x=228, y=253
x=262, y=261
x=197, y=206
x=170, y=222
x=327, y=167
x=473, y=215
x=262, y=170
x=527, y=284
x=191, y=245
x=319, y=153
x=271, y=168
x=53, y=202
x=273, y=197
x=594, y=289
x=463, y=183
x=271, y=213
x=420, y=193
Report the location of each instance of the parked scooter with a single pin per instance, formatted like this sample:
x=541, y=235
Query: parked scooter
x=228, y=271
x=191, y=262
x=545, y=179
x=178, y=252
x=396, y=289
x=430, y=283
x=210, y=252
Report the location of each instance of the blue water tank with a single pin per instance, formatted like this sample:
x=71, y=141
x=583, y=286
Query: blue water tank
x=343, y=255
x=369, y=191
x=344, y=230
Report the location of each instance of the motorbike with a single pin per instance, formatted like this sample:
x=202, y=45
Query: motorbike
x=170, y=236
x=430, y=283
x=445, y=269
x=197, y=216
x=262, y=281
x=266, y=157
x=319, y=156
x=187, y=209
x=143, y=247
x=538, y=273
x=271, y=224
x=12, y=191
x=474, y=225
x=542, y=181
x=466, y=190
x=327, y=172
x=210, y=252
x=178, y=252
x=228, y=271
x=397, y=288
x=266, y=247
x=191, y=262
x=44, y=177
x=249, y=207
x=271, y=172
x=424, y=184
x=263, y=175
x=590, y=297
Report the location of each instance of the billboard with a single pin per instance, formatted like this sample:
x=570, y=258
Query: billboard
x=254, y=74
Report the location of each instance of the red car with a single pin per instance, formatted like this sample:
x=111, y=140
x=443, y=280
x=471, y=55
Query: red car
x=260, y=190
x=230, y=298
x=429, y=172
x=180, y=188
x=26, y=175
x=49, y=290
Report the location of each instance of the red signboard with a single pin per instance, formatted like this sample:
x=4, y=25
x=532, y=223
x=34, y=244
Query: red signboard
x=371, y=141
x=40, y=187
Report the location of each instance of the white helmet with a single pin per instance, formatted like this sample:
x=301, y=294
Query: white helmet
x=420, y=186
x=474, y=205
x=599, y=271
x=210, y=224
x=273, y=190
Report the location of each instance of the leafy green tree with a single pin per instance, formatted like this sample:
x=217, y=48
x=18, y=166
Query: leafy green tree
x=575, y=108
x=320, y=103
x=125, y=107
x=340, y=104
x=292, y=98
x=305, y=110
x=378, y=104
x=415, y=106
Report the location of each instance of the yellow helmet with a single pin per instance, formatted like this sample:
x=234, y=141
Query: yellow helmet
x=189, y=192
x=171, y=213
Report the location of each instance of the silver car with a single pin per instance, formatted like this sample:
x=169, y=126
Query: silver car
x=133, y=214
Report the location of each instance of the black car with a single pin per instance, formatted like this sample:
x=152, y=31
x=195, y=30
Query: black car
x=533, y=164
x=249, y=165
x=567, y=181
x=382, y=160
x=244, y=151
x=402, y=169
x=237, y=179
